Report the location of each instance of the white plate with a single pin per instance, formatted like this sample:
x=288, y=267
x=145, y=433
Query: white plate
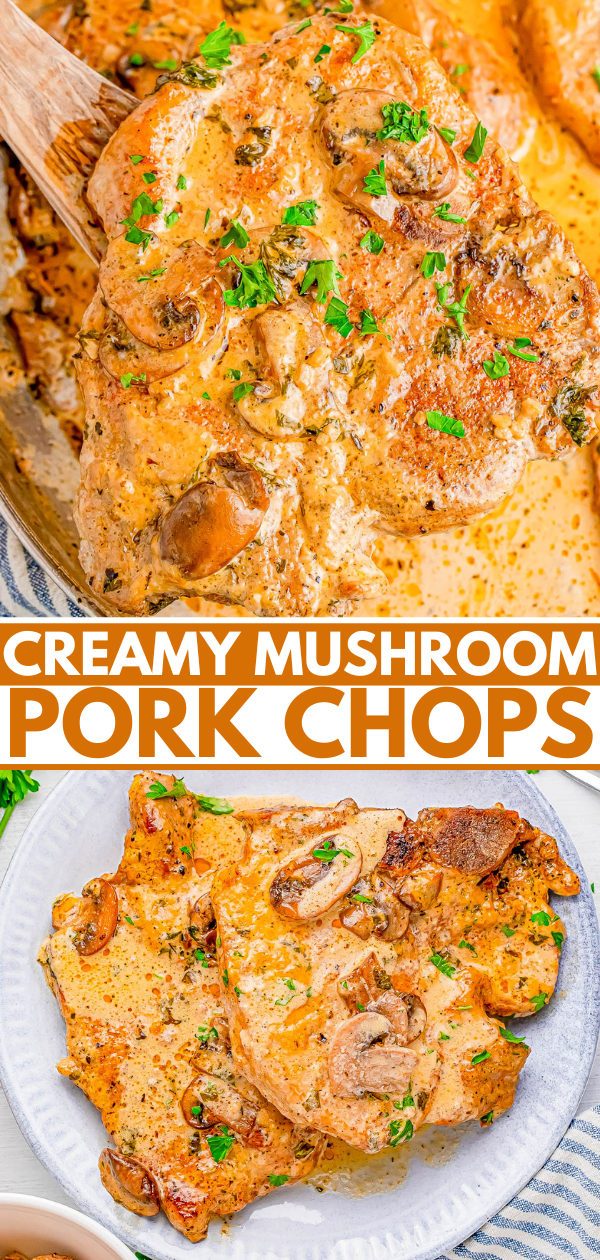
x=78, y=832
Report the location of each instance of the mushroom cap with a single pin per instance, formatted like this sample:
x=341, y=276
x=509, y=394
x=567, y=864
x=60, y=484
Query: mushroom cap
x=209, y=1100
x=99, y=914
x=308, y=886
x=129, y=1183
x=365, y=1056
x=211, y=523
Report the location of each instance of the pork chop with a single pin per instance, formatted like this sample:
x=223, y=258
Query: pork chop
x=132, y=966
x=359, y=338
x=562, y=38
x=348, y=997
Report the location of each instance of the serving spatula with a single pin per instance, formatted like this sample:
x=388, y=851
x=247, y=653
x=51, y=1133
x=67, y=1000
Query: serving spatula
x=56, y=114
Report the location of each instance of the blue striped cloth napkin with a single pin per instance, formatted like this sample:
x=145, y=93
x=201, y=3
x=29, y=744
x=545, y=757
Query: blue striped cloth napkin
x=557, y=1214
x=25, y=590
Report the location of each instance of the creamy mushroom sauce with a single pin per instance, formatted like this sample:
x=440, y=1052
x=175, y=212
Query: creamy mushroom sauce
x=540, y=550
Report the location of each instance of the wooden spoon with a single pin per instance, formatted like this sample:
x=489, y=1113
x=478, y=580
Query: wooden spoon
x=57, y=115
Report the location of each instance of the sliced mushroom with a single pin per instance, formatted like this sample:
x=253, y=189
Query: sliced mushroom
x=420, y=890
x=129, y=1183
x=64, y=908
x=168, y=296
x=381, y=913
x=364, y=1055
x=203, y=925
x=349, y=128
x=369, y=987
x=121, y=354
x=209, y=1100
x=286, y=335
x=310, y=884
x=97, y=920
x=214, y=519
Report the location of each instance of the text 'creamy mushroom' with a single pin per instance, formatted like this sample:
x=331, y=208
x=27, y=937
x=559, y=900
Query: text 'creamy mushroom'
x=209, y=1100
x=364, y=1055
x=94, y=916
x=316, y=878
x=129, y=1183
x=215, y=518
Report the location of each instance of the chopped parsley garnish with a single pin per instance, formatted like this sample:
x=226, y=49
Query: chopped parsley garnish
x=235, y=235
x=368, y=323
x=444, y=212
x=558, y=938
x=539, y=1001
x=158, y=791
x=447, y=134
x=303, y=213
x=595, y=73
x=303, y=26
x=149, y=177
x=204, y=1033
x=445, y=424
x=206, y=218
x=520, y=353
x=466, y=945
x=323, y=51
x=225, y=978
x=506, y=930
x=217, y=46
x=372, y=242
x=278, y=1179
x=136, y=59
x=403, y=123
x=242, y=390
x=443, y=965
x=400, y=1134
x=214, y=804
x=255, y=288
x=407, y=1101
x=478, y=1058
x=488, y=1118
x=541, y=917
x=142, y=204
x=136, y=158
x=220, y=1144
x=171, y=218
x=182, y=183
x=366, y=36
x=329, y=852
x=497, y=367
x=432, y=262
x=233, y=374
x=186, y=849
x=152, y=275
x=206, y=395
x=458, y=311
x=128, y=379
x=443, y=1037
x=360, y=1006
x=368, y=901
x=169, y=64
x=133, y=29
x=475, y=149
x=128, y=920
x=375, y=181
x=200, y=957
x=510, y=1036
x=325, y=275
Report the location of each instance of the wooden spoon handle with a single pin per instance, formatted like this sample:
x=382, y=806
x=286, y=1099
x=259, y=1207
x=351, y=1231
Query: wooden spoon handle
x=56, y=114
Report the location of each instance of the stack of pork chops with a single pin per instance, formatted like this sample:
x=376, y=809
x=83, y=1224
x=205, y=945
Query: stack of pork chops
x=252, y=983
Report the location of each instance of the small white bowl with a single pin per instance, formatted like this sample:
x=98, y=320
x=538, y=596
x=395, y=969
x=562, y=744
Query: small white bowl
x=38, y=1227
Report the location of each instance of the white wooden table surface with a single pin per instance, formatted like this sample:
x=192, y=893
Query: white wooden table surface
x=579, y=808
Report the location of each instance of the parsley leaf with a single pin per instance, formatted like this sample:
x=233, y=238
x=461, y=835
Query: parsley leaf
x=539, y=1001
x=304, y=213
x=403, y=123
x=368, y=901
x=149, y=177
x=458, y=311
x=478, y=1058
x=510, y=1036
x=443, y=212
x=466, y=945
x=136, y=59
x=558, y=938
x=136, y=158
x=242, y=390
x=432, y=261
x=137, y=236
x=182, y=183
x=278, y=1179
x=220, y=1145
x=447, y=134
x=506, y=930
x=206, y=218
x=217, y=46
x=518, y=351
x=329, y=852
x=204, y=1033
x=372, y=242
x=235, y=235
x=169, y=64
x=445, y=424
x=128, y=379
x=595, y=73
x=325, y=275
x=475, y=149
x=443, y=965
x=303, y=26
x=541, y=917
x=497, y=367
x=152, y=275
x=255, y=288
x=398, y=1134
x=158, y=791
x=337, y=315
x=366, y=35
x=488, y=1118
x=14, y=787
x=233, y=374
x=171, y=218
x=323, y=51
x=368, y=323
x=375, y=181
x=214, y=805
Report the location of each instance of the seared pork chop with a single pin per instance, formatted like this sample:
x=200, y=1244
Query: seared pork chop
x=265, y=396
x=368, y=1000
x=132, y=966
x=562, y=39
